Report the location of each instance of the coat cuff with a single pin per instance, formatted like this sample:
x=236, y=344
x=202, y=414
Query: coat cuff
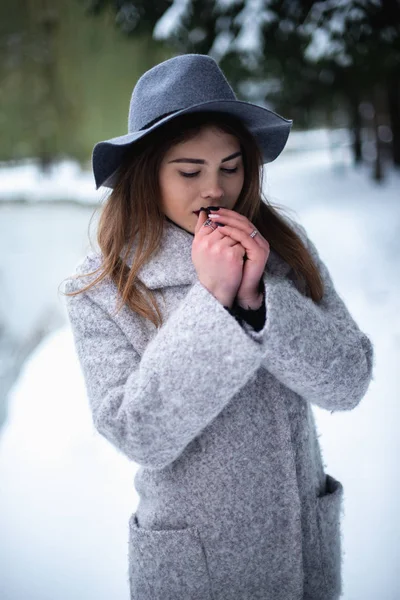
x=255, y=318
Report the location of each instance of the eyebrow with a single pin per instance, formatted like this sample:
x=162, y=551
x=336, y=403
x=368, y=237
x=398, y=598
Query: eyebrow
x=200, y=161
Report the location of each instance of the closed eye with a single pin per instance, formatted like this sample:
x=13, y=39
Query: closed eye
x=189, y=175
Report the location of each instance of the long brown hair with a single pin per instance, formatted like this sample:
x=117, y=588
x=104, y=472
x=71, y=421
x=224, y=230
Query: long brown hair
x=133, y=211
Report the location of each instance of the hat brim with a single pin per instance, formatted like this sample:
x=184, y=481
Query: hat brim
x=269, y=129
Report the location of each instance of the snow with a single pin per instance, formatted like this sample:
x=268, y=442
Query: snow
x=26, y=182
x=171, y=20
x=222, y=44
x=328, y=23
x=226, y=4
x=66, y=494
x=322, y=46
x=251, y=19
x=254, y=14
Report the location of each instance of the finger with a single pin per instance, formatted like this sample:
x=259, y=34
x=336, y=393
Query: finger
x=230, y=213
x=249, y=244
x=234, y=219
x=213, y=229
x=201, y=219
x=203, y=229
x=228, y=241
x=223, y=240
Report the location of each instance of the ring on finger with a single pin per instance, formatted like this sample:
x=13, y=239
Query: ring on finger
x=208, y=223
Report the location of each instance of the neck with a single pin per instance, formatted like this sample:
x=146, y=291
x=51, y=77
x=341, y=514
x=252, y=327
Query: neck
x=176, y=224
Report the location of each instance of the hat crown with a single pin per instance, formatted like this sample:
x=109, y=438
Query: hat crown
x=176, y=84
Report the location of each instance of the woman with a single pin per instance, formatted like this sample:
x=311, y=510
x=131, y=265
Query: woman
x=204, y=337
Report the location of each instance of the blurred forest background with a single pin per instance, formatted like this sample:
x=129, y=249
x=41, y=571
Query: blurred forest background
x=67, y=67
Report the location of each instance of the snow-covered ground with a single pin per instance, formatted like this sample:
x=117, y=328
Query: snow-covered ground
x=66, y=494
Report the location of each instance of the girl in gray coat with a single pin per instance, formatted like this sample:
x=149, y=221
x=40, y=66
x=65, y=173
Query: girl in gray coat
x=207, y=326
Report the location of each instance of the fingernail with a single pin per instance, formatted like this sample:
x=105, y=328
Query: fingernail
x=213, y=207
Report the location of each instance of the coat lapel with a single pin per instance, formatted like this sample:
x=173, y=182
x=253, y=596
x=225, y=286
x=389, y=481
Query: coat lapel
x=171, y=264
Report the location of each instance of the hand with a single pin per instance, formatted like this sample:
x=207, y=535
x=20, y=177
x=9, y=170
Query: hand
x=218, y=260
x=238, y=228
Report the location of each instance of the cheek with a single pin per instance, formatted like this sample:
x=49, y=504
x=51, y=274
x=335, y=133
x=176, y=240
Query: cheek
x=186, y=188
x=177, y=191
x=163, y=183
x=182, y=192
x=169, y=186
x=236, y=186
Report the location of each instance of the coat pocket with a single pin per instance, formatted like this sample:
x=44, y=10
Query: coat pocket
x=329, y=506
x=167, y=564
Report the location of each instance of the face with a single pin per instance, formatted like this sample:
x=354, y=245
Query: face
x=206, y=170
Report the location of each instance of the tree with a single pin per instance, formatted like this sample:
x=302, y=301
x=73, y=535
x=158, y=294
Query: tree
x=361, y=43
x=63, y=83
x=303, y=57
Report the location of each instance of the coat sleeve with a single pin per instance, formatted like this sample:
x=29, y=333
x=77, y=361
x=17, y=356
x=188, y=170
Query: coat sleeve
x=315, y=349
x=152, y=406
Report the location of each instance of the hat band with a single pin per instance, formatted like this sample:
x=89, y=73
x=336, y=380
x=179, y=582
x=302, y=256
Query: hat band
x=154, y=121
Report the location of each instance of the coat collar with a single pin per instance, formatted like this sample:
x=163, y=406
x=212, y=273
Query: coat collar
x=172, y=264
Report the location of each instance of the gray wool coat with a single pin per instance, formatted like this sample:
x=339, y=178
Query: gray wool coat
x=234, y=502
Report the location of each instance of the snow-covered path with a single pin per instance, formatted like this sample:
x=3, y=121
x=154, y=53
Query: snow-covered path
x=66, y=494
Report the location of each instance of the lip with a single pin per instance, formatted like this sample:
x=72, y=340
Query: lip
x=207, y=209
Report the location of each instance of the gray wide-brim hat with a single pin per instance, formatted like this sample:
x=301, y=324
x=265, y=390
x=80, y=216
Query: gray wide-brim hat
x=189, y=83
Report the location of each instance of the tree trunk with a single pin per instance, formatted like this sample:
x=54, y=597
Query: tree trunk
x=393, y=94
x=378, y=170
x=44, y=23
x=355, y=128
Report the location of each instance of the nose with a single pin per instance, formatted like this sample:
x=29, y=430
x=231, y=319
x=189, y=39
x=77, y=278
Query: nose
x=212, y=190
